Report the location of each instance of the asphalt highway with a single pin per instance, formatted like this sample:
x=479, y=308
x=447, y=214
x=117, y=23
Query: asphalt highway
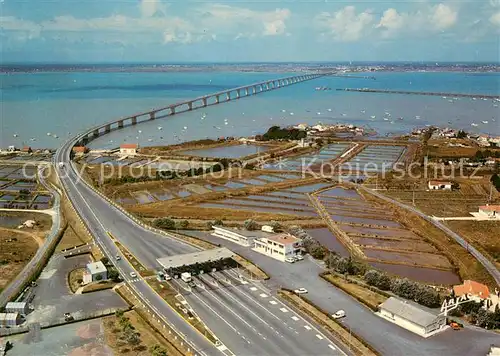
x=232, y=314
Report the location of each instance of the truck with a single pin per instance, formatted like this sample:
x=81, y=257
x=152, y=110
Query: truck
x=186, y=277
x=61, y=164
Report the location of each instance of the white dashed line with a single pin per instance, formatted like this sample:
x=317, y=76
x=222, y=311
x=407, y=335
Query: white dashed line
x=284, y=310
x=253, y=289
x=295, y=318
x=332, y=347
x=273, y=302
x=319, y=336
x=263, y=295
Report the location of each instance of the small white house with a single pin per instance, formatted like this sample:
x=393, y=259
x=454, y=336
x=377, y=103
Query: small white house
x=490, y=211
x=439, y=185
x=267, y=228
x=95, y=272
x=278, y=246
x=129, y=149
x=407, y=315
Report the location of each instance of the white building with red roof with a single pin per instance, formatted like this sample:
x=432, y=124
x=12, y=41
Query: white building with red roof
x=129, y=149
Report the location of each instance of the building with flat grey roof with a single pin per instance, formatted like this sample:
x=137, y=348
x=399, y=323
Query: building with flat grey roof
x=411, y=317
x=10, y=319
x=17, y=307
x=188, y=259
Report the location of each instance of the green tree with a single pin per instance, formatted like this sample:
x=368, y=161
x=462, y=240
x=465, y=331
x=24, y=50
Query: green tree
x=250, y=225
x=105, y=260
x=183, y=224
x=114, y=275
x=275, y=225
x=157, y=350
x=164, y=223
x=98, y=277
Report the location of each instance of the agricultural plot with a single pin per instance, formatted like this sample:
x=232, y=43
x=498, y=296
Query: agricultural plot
x=382, y=239
x=444, y=203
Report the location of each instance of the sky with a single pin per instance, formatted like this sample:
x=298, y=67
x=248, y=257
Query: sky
x=99, y=31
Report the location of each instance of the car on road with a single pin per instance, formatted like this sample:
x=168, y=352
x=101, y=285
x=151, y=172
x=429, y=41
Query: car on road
x=300, y=291
x=290, y=260
x=167, y=277
x=455, y=326
x=338, y=314
x=299, y=258
x=118, y=257
x=133, y=274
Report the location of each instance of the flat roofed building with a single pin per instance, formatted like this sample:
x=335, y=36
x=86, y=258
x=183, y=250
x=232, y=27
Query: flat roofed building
x=17, y=307
x=278, y=246
x=188, y=259
x=10, y=319
x=95, y=272
x=439, y=185
x=411, y=317
x=241, y=237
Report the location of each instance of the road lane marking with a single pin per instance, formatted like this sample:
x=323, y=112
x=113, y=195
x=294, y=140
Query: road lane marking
x=332, y=347
x=307, y=327
x=273, y=302
x=319, y=336
x=284, y=310
x=295, y=318
x=253, y=289
x=263, y=295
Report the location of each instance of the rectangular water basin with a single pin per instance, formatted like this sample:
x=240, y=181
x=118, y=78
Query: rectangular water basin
x=351, y=219
x=425, y=275
x=259, y=209
x=252, y=181
x=309, y=188
x=235, y=185
x=271, y=178
x=341, y=192
x=226, y=152
x=329, y=240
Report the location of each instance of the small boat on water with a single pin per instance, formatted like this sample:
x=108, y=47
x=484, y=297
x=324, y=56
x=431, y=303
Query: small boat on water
x=473, y=124
x=15, y=135
x=329, y=109
x=417, y=117
x=484, y=121
x=372, y=117
x=386, y=119
x=363, y=111
x=400, y=118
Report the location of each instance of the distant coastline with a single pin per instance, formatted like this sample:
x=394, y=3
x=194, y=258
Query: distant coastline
x=256, y=67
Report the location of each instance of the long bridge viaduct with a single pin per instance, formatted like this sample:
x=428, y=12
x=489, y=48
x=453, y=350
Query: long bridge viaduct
x=197, y=103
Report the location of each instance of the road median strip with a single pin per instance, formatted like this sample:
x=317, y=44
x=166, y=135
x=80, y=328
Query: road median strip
x=356, y=344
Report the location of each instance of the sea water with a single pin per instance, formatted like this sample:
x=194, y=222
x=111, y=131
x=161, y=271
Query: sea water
x=37, y=107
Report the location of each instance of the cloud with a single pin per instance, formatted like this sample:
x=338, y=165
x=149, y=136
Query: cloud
x=150, y=8
x=230, y=20
x=19, y=29
x=495, y=19
x=154, y=25
x=443, y=17
x=346, y=24
x=439, y=17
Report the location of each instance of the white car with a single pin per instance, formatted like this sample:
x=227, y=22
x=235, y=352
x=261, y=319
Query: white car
x=167, y=277
x=299, y=257
x=300, y=291
x=290, y=260
x=133, y=274
x=338, y=314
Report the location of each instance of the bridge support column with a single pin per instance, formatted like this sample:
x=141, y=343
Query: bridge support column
x=204, y=100
x=120, y=124
x=190, y=105
x=96, y=133
x=238, y=94
x=261, y=87
x=228, y=96
x=172, y=110
x=107, y=128
x=246, y=91
x=134, y=120
x=151, y=116
x=254, y=90
x=217, y=99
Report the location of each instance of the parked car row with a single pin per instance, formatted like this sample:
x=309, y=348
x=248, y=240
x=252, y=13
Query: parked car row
x=294, y=259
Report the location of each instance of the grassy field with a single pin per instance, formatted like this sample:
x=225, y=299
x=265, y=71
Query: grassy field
x=16, y=251
x=148, y=336
x=75, y=278
x=366, y=296
x=483, y=234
